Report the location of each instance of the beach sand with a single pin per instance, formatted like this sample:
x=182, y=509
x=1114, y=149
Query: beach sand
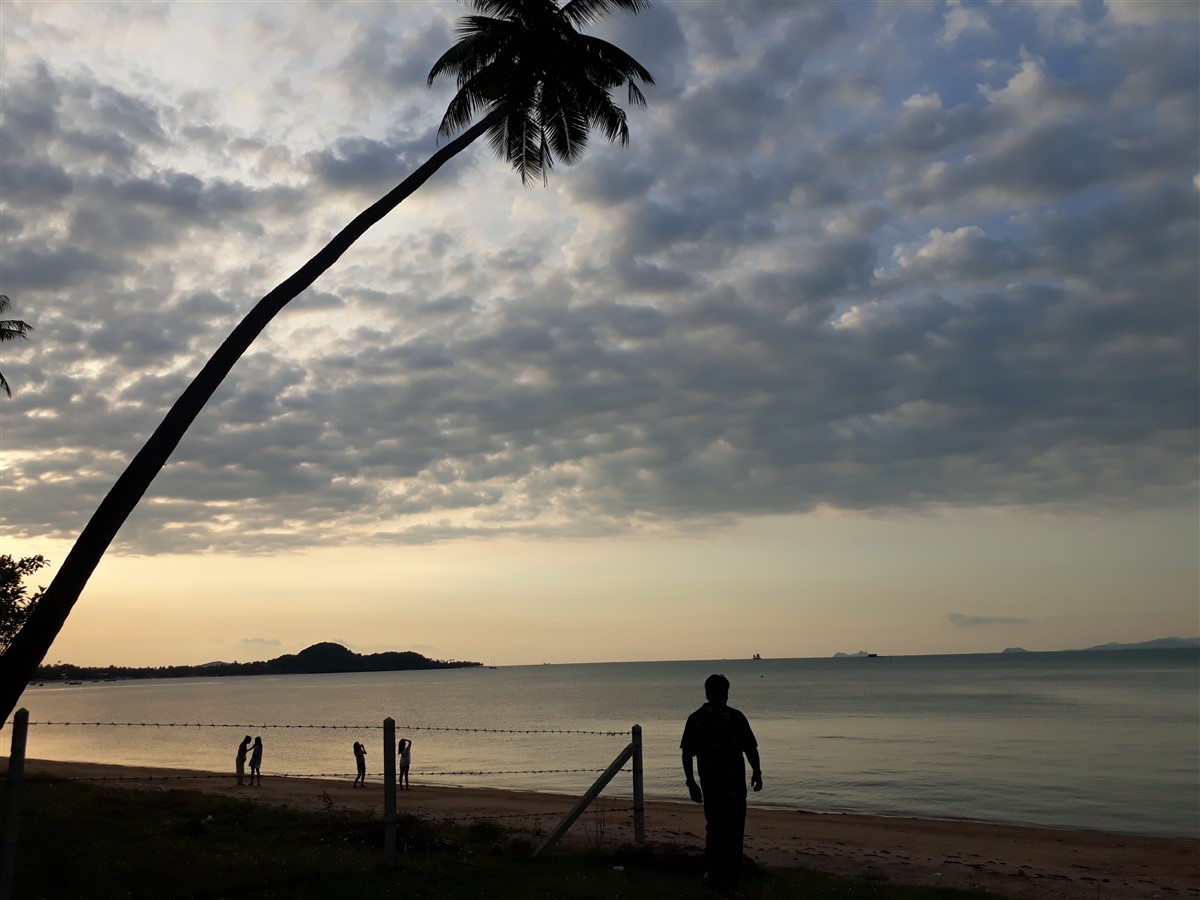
x=1009, y=860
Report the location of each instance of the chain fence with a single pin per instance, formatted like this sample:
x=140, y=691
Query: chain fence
x=427, y=776
x=265, y=725
x=200, y=776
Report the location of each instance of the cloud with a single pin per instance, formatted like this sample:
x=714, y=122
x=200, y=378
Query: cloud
x=1132, y=11
x=963, y=20
x=963, y=255
x=820, y=276
x=970, y=621
x=368, y=165
x=258, y=643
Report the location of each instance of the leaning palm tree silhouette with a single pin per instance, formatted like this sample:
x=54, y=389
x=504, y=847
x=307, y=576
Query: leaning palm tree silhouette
x=542, y=87
x=11, y=330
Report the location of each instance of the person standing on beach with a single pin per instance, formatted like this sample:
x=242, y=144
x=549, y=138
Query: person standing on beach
x=256, y=762
x=718, y=736
x=360, y=760
x=240, y=761
x=405, y=752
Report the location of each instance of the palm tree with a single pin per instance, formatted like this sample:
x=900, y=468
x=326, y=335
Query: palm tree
x=10, y=330
x=547, y=84
x=541, y=86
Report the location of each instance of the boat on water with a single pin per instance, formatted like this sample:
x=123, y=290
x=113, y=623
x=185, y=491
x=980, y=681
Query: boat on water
x=757, y=656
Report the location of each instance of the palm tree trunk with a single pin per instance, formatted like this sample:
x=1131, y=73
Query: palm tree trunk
x=31, y=644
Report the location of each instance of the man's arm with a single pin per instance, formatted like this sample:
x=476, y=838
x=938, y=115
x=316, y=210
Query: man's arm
x=693, y=788
x=755, y=769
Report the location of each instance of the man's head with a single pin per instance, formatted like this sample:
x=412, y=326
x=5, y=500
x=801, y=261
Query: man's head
x=716, y=689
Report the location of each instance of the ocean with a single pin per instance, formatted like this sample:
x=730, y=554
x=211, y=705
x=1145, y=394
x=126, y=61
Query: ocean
x=1106, y=740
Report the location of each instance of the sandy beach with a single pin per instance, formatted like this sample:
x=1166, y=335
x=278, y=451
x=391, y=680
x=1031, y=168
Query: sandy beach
x=1012, y=861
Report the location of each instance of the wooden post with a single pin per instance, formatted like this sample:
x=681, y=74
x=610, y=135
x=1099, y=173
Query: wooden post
x=12, y=805
x=639, y=800
x=389, y=792
x=592, y=793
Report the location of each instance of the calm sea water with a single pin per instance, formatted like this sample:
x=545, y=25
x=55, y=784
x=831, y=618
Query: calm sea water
x=1097, y=740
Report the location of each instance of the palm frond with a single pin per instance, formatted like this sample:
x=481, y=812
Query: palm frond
x=564, y=121
x=508, y=9
x=463, y=55
x=497, y=138
x=588, y=12
x=459, y=113
x=11, y=329
x=605, y=116
x=636, y=97
x=527, y=57
x=523, y=146
x=485, y=25
x=485, y=89
x=605, y=56
x=474, y=51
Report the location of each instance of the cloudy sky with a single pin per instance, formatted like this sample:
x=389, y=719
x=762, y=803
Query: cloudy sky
x=880, y=334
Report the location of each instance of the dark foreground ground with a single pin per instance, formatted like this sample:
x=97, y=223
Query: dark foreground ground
x=167, y=833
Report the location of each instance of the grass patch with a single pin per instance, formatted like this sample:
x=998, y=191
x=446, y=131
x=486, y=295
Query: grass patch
x=81, y=840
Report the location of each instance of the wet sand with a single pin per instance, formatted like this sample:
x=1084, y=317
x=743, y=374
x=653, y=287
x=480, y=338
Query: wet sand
x=1009, y=860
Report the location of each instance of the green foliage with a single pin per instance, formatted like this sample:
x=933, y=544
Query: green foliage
x=15, y=602
x=79, y=840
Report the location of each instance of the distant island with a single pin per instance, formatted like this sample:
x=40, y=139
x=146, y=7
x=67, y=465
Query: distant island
x=860, y=653
x=1167, y=643
x=319, y=659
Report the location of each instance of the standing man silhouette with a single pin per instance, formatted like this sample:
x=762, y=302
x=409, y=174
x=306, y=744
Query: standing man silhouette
x=360, y=760
x=718, y=736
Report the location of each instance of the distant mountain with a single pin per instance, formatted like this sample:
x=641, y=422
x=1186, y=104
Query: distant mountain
x=1167, y=643
x=315, y=660
x=328, y=657
x=840, y=655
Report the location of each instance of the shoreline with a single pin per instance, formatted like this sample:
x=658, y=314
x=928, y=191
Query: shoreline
x=1018, y=861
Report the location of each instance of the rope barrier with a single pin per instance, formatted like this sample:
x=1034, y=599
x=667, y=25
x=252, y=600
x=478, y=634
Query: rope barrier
x=265, y=725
